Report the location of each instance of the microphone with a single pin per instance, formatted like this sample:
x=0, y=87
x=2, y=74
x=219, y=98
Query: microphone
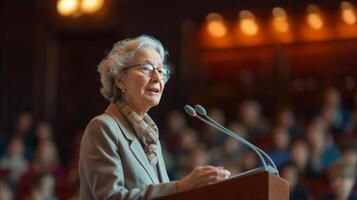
x=192, y=112
x=202, y=111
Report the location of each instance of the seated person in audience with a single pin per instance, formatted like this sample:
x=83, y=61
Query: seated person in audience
x=332, y=112
x=279, y=152
x=186, y=141
x=250, y=116
x=290, y=173
x=14, y=161
x=43, y=187
x=285, y=117
x=23, y=131
x=299, y=154
x=198, y=156
x=46, y=159
x=43, y=132
x=323, y=151
x=342, y=176
x=211, y=137
x=174, y=123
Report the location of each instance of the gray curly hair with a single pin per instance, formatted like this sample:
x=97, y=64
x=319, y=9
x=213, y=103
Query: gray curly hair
x=118, y=59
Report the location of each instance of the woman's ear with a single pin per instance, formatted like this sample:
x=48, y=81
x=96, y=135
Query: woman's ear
x=119, y=81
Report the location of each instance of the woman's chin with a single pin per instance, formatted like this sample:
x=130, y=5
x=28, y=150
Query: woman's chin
x=153, y=101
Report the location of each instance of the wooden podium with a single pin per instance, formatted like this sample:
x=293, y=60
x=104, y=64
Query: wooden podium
x=256, y=185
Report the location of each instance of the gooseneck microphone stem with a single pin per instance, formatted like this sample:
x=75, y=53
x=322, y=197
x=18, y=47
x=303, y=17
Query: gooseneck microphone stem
x=192, y=112
x=202, y=111
x=236, y=136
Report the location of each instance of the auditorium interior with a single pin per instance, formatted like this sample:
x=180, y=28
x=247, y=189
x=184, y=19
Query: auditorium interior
x=281, y=74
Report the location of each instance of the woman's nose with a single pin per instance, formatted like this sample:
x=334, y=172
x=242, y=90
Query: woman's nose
x=156, y=76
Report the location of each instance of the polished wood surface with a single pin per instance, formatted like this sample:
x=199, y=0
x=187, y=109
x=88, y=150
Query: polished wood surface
x=255, y=186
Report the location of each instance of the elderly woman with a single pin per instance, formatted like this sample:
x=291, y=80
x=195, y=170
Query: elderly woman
x=120, y=153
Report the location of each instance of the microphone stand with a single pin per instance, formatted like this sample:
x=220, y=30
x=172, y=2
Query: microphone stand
x=221, y=128
x=202, y=111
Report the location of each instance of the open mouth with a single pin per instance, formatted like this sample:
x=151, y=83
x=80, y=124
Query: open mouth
x=154, y=90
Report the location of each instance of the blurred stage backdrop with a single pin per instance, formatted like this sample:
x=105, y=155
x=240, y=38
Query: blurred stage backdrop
x=258, y=66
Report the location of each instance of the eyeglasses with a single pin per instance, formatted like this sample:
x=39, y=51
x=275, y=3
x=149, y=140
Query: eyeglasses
x=148, y=69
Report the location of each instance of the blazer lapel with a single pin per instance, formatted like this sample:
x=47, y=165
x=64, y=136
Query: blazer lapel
x=139, y=153
x=135, y=145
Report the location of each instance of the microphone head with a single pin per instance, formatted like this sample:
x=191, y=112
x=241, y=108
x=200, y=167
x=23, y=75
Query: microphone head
x=189, y=110
x=200, y=109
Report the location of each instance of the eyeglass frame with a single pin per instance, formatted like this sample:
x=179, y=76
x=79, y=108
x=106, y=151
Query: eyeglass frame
x=164, y=67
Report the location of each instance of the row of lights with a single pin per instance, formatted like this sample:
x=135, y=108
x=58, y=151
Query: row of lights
x=77, y=7
x=248, y=25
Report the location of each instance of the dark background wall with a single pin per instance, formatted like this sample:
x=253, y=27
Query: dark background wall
x=48, y=62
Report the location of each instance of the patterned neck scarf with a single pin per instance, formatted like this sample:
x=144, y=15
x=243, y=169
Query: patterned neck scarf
x=145, y=129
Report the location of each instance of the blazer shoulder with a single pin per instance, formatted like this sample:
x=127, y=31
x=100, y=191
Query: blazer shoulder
x=103, y=120
x=103, y=126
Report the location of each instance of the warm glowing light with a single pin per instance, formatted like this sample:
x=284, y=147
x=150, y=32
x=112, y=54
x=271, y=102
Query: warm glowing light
x=315, y=21
x=280, y=21
x=247, y=23
x=67, y=7
x=91, y=6
x=348, y=12
x=216, y=28
x=314, y=18
x=215, y=25
x=281, y=26
x=249, y=26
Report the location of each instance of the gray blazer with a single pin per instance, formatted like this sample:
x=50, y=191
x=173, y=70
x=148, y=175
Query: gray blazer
x=113, y=165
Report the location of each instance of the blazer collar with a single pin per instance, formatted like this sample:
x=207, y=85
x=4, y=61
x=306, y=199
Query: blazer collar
x=135, y=145
x=128, y=131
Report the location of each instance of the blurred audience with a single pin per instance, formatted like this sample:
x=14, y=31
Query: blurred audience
x=250, y=116
x=299, y=155
x=210, y=136
x=342, y=176
x=43, y=132
x=285, y=117
x=323, y=151
x=14, y=161
x=307, y=151
x=24, y=131
x=174, y=123
x=280, y=146
x=290, y=173
x=332, y=112
x=46, y=159
x=43, y=187
x=5, y=191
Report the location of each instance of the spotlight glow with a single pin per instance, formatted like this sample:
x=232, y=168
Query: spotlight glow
x=215, y=25
x=280, y=21
x=348, y=13
x=91, y=6
x=67, y=7
x=247, y=23
x=314, y=18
